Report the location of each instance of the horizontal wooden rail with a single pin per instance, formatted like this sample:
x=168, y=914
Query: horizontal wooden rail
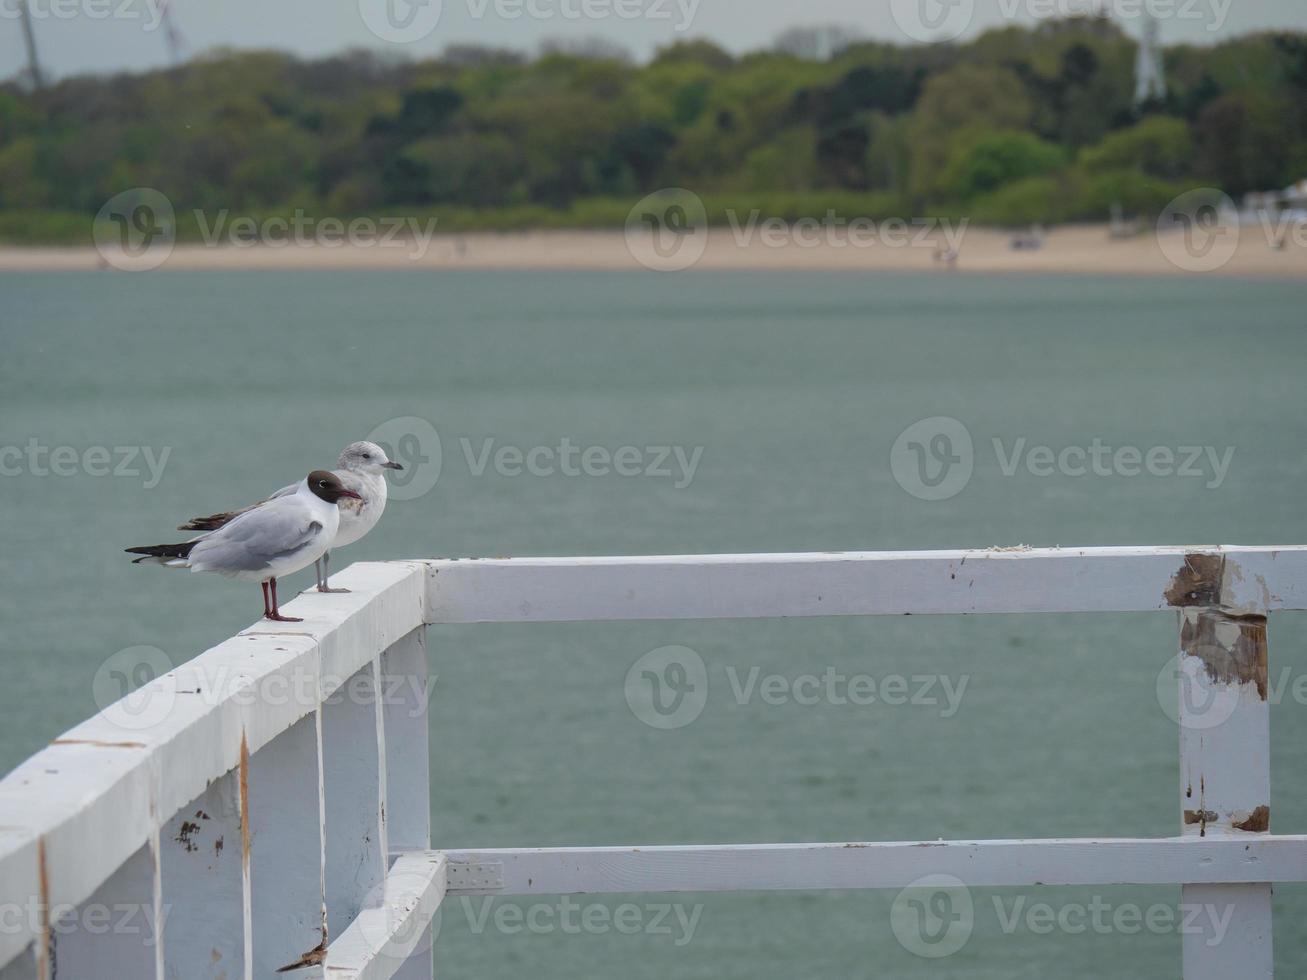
x=876, y=864
x=242, y=765
x=381, y=940
x=1020, y=580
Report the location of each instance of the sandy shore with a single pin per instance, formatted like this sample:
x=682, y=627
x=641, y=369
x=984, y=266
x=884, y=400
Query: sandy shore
x=1082, y=249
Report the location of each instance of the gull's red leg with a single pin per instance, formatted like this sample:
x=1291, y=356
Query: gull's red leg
x=276, y=615
x=267, y=609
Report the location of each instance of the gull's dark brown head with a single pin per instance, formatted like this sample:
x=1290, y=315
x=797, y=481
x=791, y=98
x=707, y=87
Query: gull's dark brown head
x=328, y=487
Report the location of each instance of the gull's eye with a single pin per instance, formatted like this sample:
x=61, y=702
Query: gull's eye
x=367, y=455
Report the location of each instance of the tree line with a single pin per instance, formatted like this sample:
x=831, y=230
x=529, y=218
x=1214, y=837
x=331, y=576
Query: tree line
x=1020, y=124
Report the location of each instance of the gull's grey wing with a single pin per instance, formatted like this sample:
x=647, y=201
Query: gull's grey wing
x=284, y=491
x=255, y=539
x=223, y=518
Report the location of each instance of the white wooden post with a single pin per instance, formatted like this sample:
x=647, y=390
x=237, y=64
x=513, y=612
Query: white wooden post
x=114, y=932
x=203, y=886
x=1225, y=778
x=406, y=689
x=353, y=794
x=283, y=809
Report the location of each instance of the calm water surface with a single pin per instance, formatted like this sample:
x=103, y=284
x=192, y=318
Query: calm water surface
x=796, y=387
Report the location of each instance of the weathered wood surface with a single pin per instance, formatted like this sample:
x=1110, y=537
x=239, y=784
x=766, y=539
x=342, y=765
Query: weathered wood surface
x=1027, y=580
x=264, y=813
x=993, y=863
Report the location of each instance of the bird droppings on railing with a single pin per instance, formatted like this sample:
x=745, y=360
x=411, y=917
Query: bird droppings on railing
x=98, y=744
x=186, y=836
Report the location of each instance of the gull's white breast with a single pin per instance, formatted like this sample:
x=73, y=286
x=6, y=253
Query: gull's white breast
x=358, y=517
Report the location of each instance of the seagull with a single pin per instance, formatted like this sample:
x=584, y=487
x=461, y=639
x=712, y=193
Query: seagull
x=265, y=542
x=361, y=470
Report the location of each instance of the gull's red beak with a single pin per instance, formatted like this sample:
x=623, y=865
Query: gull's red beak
x=350, y=493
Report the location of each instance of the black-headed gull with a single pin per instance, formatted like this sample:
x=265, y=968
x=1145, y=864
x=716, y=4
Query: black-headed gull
x=275, y=538
x=362, y=466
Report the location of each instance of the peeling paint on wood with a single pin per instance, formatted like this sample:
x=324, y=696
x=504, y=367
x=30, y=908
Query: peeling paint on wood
x=1257, y=822
x=1198, y=582
x=98, y=744
x=1231, y=648
x=44, y=941
x=1202, y=818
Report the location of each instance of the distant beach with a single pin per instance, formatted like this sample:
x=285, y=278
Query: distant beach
x=1085, y=249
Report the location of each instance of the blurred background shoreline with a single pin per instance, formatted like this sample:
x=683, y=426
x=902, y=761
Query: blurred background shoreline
x=1069, y=250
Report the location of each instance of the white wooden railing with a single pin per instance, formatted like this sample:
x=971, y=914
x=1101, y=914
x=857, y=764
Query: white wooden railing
x=261, y=811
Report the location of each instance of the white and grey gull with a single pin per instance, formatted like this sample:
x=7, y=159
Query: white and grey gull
x=265, y=542
x=361, y=468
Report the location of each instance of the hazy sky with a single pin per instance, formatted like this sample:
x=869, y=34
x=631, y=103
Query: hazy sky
x=99, y=35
